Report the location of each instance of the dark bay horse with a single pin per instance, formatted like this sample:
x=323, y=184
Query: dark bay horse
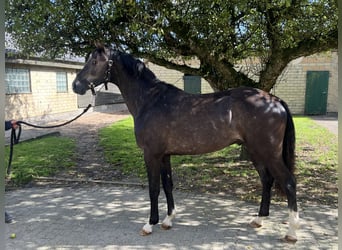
x=169, y=121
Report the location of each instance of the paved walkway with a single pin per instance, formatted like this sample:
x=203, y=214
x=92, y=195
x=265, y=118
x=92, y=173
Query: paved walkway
x=110, y=217
x=329, y=122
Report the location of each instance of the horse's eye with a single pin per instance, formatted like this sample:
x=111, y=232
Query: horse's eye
x=94, y=62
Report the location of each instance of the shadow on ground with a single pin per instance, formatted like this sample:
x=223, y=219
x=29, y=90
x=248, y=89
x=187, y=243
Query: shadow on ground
x=109, y=217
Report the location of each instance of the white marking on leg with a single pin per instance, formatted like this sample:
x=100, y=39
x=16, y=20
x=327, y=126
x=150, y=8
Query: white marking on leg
x=146, y=230
x=294, y=224
x=256, y=222
x=167, y=222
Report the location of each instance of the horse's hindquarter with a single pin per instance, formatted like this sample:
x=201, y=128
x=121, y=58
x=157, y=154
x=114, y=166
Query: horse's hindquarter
x=262, y=121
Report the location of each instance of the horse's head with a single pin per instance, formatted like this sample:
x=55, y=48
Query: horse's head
x=96, y=71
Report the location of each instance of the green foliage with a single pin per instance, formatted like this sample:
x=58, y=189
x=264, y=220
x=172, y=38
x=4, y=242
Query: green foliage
x=316, y=164
x=40, y=157
x=219, y=33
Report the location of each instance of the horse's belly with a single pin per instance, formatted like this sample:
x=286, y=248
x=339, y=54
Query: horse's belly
x=193, y=144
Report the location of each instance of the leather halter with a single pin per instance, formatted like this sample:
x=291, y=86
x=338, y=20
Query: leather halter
x=107, y=75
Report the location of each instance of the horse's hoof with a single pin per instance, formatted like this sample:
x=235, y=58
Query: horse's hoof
x=146, y=230
x=165, y=227
x=253, y=224
x=144, y=233
x=290, y=239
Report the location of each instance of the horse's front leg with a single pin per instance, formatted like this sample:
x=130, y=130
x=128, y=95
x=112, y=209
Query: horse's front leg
x=166, y=177
x=153, y=174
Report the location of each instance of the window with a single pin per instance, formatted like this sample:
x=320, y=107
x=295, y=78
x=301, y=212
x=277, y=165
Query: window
x=17, y=81
x=61, y=82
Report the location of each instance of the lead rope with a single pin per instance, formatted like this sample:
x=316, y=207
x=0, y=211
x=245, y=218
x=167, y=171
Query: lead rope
x=16, y=137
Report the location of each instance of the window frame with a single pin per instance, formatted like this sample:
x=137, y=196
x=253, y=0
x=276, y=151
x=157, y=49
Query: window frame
x=12, y=89
x=59, y=87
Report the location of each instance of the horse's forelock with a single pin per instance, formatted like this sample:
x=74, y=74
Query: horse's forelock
x=100, y=48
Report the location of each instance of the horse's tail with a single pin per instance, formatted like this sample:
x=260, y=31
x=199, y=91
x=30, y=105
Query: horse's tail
x=289, y=141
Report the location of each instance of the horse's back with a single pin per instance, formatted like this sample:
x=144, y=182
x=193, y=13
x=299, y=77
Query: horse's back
x=182, y=123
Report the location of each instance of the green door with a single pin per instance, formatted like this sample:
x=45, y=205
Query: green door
x=192, y=84
x=316, y=92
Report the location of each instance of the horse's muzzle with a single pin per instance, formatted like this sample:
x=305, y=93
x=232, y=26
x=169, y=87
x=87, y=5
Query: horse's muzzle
x=80, y=87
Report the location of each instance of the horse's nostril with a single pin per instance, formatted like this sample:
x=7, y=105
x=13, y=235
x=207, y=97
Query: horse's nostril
x=78, y=88
x=74, y=86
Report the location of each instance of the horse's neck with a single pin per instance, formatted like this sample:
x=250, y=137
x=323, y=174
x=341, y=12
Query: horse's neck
x=136, y=93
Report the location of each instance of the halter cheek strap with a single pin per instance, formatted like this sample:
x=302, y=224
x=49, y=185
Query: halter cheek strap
x=107, y=77
x=110, y=64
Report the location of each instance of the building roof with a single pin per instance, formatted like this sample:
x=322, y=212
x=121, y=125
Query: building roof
x=13, y=56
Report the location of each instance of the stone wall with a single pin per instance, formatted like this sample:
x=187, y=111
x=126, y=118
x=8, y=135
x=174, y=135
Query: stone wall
x=175, y=77
x=291, y=85
x=43, y=100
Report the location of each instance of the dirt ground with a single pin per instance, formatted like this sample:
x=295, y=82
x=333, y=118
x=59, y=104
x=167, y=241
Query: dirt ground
x=90, y=161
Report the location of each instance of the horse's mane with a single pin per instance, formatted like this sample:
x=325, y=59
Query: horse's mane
x=137, y=68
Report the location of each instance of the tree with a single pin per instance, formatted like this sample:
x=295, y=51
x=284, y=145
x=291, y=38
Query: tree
x=219, y=33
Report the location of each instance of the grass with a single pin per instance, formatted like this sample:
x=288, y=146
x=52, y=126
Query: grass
x=40, y=157
x=222, y=171
x=120, y=148
x=316, y=161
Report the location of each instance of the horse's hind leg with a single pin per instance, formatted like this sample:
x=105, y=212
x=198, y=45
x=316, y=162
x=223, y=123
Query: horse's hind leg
x=166, y=177
x=287, y=183
x=290, y=190
x=267, y=182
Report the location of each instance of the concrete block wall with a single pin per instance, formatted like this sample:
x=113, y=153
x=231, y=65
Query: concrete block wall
x=175, y=77
x=291, y=85
x=170, y=76
x=44, y=100
x=332, y=105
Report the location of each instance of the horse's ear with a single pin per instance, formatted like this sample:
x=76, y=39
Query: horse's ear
x=99, y=46
x=140, y=66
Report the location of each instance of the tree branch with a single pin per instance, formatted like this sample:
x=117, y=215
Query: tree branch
x=311, y=46
x=279, y=59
